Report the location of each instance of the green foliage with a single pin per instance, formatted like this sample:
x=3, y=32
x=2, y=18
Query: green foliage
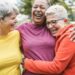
x=26, y=6
x=22, y=21
x=54, y=1
x=61, y=2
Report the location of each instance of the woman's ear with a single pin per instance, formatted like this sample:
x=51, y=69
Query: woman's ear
x=66, y=20
x=0, y=20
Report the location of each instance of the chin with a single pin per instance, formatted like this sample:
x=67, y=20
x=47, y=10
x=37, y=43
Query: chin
x=38, y=20
x=12, y=28
x=38, y=23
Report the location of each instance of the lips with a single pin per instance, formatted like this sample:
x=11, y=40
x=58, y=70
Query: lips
x=53, y=31
x=12, y=26
x=38, y=15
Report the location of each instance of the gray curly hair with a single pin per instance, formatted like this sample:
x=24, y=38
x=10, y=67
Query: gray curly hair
x=7, y=8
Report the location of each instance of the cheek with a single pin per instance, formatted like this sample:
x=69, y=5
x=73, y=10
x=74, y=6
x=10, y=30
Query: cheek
x=14, y=21
x=58, y=27
x=33, y=11
x=11, y=22
x=43, y=12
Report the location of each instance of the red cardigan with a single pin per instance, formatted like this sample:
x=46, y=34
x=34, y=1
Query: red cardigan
x=64, y=61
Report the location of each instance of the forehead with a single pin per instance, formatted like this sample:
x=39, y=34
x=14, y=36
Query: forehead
x=50, y=17
x=40, y=2
x=10, y=16
x=13, y=14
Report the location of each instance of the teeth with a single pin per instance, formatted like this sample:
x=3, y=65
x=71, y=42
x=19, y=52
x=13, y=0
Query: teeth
x=38, y=15
x=54, y=30
x=12, y=25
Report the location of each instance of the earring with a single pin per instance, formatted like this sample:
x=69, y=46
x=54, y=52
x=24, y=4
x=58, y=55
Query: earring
x=65, y=20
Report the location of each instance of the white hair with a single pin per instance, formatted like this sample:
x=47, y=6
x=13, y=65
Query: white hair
x=7, y=8
x=58, y=11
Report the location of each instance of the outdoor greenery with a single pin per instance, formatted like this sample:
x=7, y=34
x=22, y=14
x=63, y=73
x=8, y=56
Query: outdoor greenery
x=25, y=7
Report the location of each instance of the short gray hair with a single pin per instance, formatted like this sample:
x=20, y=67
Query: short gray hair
x=58, y=11
x=7, y=8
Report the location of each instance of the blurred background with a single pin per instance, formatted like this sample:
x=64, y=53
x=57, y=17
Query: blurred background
x=26, y=5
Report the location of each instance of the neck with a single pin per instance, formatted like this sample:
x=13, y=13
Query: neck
x=3, y=32
x=39, y=24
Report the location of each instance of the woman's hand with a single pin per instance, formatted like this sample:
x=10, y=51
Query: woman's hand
x=72, y=35
x=23, y=62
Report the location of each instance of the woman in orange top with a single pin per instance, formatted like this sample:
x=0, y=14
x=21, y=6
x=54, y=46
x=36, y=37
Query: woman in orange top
x=64, y=61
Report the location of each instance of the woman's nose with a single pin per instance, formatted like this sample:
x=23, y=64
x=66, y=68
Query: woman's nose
x=49, y=26
x=38, y=9
x=16, y=21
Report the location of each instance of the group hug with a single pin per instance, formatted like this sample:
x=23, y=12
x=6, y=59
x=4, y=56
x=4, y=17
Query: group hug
x=44, y=46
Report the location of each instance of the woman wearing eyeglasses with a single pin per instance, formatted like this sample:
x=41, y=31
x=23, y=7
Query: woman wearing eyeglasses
x=64, y=61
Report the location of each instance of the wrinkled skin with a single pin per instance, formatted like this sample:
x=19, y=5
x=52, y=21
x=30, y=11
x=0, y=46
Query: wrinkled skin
x=7, y=24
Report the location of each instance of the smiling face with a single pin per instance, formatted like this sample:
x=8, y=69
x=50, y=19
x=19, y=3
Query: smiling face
x=11, y=19
x=8, y=23
x=38, y=11
x=54, y=24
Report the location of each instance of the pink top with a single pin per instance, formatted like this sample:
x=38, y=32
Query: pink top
x=37, y=43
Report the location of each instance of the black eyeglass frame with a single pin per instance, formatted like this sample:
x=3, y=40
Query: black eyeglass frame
x=54, y=23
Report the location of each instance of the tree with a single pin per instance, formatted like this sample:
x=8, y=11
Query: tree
x=62, y=2
x=26, y=6
x=72, y=13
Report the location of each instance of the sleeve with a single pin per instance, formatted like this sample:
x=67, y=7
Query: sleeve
x=62, y=59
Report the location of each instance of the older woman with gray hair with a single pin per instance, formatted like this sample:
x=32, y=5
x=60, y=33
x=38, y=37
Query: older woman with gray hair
x=64, y=60
x=10, y=55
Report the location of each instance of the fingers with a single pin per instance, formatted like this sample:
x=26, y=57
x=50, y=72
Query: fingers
x=72, y=29
x=73, y=38
x=72, y=34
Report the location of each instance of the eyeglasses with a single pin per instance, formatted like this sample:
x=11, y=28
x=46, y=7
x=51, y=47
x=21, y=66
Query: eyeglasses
x=53, y=22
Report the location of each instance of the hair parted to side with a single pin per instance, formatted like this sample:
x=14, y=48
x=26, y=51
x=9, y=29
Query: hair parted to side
x=7, y=8
x=58, y=11
x=48, y=2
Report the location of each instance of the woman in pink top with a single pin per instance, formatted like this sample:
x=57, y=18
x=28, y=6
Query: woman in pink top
x=37, y=41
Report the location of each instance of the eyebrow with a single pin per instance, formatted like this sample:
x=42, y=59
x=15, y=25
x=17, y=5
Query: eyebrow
x=37, y=5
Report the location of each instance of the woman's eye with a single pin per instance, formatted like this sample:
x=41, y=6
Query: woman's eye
x=42, y=7
x=13, y=18
x=54, y=21
x=34, y=7
x=48, y=23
